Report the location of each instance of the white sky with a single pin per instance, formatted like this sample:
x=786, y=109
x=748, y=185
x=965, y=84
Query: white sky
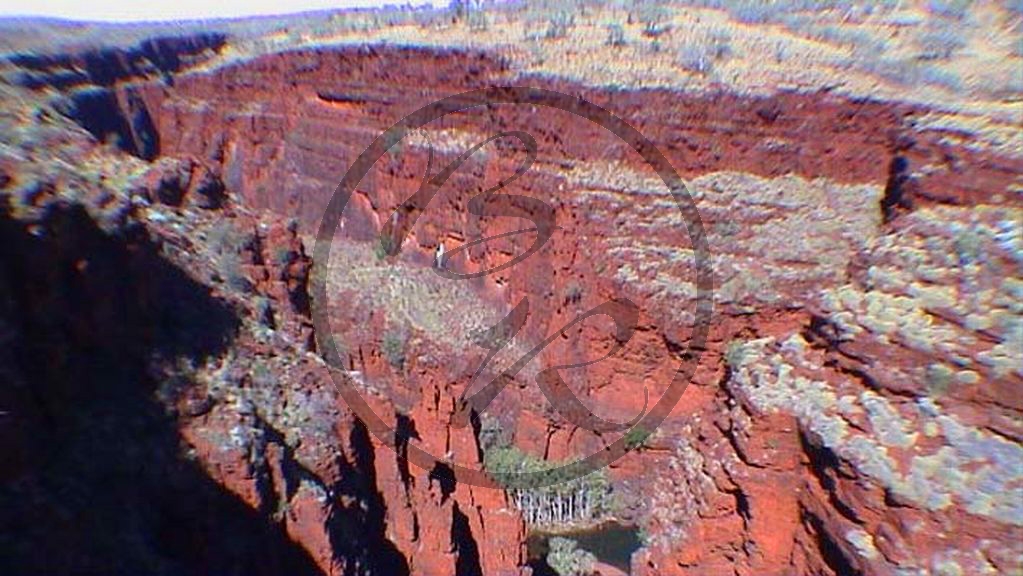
x=139, y=10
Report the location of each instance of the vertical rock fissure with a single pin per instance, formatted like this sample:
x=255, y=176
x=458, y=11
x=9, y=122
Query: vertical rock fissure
x=381, y=555
x=468, y=561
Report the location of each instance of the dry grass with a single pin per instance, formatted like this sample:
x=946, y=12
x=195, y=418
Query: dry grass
x=966, y=63
x=766, y=235
x=963, y=60
x=448, y=314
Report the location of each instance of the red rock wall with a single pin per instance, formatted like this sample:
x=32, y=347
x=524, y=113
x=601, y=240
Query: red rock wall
x=282, y=129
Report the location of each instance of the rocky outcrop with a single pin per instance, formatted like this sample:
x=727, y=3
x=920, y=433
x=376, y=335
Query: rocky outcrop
x=94, y=480
x=149, y=316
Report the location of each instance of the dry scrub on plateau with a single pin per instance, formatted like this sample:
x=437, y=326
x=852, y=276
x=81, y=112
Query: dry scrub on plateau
x=960, y=55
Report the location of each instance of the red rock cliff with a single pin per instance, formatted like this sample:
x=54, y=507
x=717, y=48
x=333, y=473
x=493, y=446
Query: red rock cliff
x=852, y=411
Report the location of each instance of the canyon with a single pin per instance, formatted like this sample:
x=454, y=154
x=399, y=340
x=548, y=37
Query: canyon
x=850, y=406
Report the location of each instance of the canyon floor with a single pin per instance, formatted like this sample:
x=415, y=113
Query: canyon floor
x=184, y=322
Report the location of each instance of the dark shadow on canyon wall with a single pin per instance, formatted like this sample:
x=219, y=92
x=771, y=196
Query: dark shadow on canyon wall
x=93, y=479
x=468, y=562
x=160, y=56
x=361, y=531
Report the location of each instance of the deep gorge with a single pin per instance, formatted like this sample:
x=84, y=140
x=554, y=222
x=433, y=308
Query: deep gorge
x=280, y=130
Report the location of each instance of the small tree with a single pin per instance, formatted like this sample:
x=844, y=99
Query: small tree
x=939, y=43
x=697, y=59
x=636, y=437
x=567, y=559
x=476, y=16
x=653, y=17
x=569, y=500
x=615, y=35
x=560, y=21
x=393, y=348
x=385, y=246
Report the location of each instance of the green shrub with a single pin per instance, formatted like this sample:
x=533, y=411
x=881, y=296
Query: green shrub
x=493, y=435
x=567, y=559
x=939, y=43
x=700, y=58
x=752, y=12
x=476, y=16
x=393, y=348
x=720, y=44
x=385, y=246
x=282, y=256
x=938, y=379
x=637, y=437
x=559, y=23
x=228, y=243
x=573, y=293
x=734, y=354
x=696, y=59
x=968, y=246
x=654, y=18
x=615, y=35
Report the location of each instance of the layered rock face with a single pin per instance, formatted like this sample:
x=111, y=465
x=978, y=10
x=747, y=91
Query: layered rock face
x=167, y=412
x=852, y=410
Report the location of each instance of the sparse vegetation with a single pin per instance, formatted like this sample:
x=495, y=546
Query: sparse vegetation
x=615, y=35
x=700, y=57
x=573, y=293
x=637, y=437
x=282, y=256
x=734, y=354
x=567, y=559
x=393, y=347
x=492, y=434
x=582, y=500
x=943, y=330
x=939, y=378
x=475, y=14
x=954, y=9
x=228, y=244
x=654, y=18
x=752, y=11
x=939, y=43
x=385, y=246
x=968, y=246
x=696, y=59
x=559, y=22
x=859, y=26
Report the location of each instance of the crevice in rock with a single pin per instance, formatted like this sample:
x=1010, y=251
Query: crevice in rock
x=462, y=540
x=742, y=505
x=897, y=199
x=145, y=139
x=98, y=111
x=445, y=478
x=405, y=430
x=366, y=523
x=821, y=460
x=831, y=553
x=101, y=113
x=340, y=98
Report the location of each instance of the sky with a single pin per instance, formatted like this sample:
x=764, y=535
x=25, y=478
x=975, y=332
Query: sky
x=144, y=10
